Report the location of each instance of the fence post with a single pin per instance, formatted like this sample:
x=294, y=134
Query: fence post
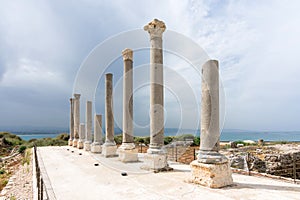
x=42, y=188
x=294, y=167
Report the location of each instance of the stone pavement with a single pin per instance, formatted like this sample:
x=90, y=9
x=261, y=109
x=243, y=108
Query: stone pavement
x=72, y=176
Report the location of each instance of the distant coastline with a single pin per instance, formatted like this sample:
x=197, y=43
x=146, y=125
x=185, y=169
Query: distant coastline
x=28, y=133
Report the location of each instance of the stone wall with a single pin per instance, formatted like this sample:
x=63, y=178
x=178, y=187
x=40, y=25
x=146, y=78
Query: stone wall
x=283, y=164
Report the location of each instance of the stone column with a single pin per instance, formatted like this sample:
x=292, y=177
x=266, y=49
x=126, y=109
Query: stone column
x=96, y=146
x=88, y=128
x=211, y=169
x=156, y=156
x=126, y=150
x=81, y=136
x=109, y=148
x=76, y=118
x=70, y=142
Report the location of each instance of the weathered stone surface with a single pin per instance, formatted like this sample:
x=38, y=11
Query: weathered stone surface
x=109, y=150
x=155, y=29
x=88, y=127
x=155, y=161
x=211, y=175
x=80, y=142
x=96, y=145
x=70, y=142
x=87, y=145
x=76, y=119
x=128, y=155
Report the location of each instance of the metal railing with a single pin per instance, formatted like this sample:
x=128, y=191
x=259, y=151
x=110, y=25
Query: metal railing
x=39, y=179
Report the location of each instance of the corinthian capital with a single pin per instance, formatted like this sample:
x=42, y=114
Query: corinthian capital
x=127, y=54
x=155, y=28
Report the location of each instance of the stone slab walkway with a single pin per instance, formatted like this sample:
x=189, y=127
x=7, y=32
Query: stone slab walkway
x=74, y=176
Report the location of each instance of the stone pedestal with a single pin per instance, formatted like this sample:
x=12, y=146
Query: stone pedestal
x=96, y=147
x=80, y=144
x=155, y=161
x=87, y=145
x=127, y=153
x=211, y=175
x=70, y=142
x=74, y=142
x=109, y=150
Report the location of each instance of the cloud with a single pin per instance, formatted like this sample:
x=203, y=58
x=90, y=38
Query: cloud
x=44, y=43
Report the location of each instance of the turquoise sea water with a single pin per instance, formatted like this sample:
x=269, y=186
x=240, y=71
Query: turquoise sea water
x=225, y=135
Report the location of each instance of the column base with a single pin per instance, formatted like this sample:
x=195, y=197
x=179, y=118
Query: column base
x=128, y=155
x=87, y=145
x=109, y=150
x=211, y=157
x=156, y=159
x=80, y=144
x=70, y=142
x=215, y=175
x=127, y=146
x=75, y=142
x=96, y=147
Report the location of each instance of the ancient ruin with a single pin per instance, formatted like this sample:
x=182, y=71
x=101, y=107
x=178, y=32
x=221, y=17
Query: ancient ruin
x=80, y=142
x=109, y=148
x=156, y=158
x=70, y=142
x=88, y=127
x=127, y=151
x=211, y=169
x=76, y=118
x=96, y=145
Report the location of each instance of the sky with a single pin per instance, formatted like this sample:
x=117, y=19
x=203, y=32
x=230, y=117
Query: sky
x=257, y=44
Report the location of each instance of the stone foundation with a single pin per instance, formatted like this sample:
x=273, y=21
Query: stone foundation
x=155, y=161
x=75, y=142
x=96, y=147
x=109, y=150
x=80, y=144
x=70, y=142
x=128, y=155
x=211, y=175
x=87, y=146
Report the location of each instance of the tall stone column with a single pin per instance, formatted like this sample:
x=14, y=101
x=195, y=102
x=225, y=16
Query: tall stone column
x=81, y=136
x=88, y=128
x=96, y=145
x=76, y=118
x=126, y=150
x=211, y=169
x=70, y=142
x=156, y=156
x=109, y=148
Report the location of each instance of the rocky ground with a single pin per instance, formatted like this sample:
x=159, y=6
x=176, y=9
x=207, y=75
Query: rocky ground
x=19, y=185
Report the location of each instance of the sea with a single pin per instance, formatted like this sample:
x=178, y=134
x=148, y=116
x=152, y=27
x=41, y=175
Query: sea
x=226, y=134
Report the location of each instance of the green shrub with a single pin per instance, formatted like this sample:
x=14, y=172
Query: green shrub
x=22, y=149
x=63, y=136
x=118, y=139
x=196, y=141
x=2, y=171
x=168, y=140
